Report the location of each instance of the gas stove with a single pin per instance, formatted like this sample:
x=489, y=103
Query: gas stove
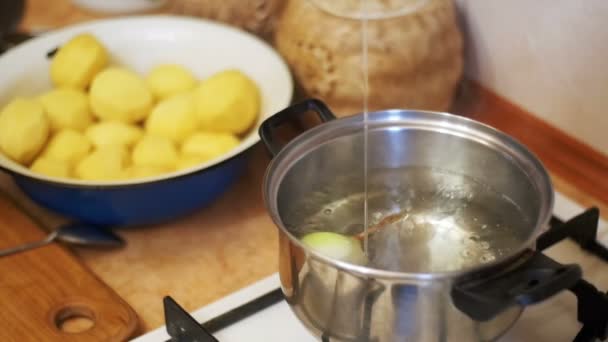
x=259, y=313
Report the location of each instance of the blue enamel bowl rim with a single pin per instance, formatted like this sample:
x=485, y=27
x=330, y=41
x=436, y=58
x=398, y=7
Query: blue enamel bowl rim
x=269, y=52
x=146, y=182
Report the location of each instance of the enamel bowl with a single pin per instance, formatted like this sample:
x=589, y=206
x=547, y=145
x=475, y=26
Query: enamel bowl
x=139, y=43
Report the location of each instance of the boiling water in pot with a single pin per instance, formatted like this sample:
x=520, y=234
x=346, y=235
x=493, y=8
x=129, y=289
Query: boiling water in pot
x=424, y=220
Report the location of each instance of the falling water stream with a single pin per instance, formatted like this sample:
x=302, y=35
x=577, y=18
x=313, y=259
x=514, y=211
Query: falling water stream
x=365, y=73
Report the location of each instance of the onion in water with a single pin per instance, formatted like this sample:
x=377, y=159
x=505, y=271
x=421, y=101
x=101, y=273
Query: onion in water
x=336, y=246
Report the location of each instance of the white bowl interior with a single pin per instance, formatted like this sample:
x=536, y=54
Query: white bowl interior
x=140, y=43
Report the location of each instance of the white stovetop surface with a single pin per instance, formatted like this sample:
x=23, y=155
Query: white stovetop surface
x=553, y=320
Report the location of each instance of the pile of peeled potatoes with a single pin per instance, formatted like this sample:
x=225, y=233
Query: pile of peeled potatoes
x=102, y=122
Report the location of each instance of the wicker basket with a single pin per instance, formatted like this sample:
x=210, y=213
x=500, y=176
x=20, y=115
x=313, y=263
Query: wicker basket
x=415, y=61
x=256, y=16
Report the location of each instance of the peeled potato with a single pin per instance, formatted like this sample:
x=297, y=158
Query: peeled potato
x=118, y=94
x=114, y=133
x=24, y=128
x=78, y=61
x=188, y=161
x=105, y=163
x=51, y=167
x=170, y=79
x=67, y=109
x=173, y=118
x=68, y=146
x=209, y=145
x=227, y=102
x=143, y=171
x=155, y=151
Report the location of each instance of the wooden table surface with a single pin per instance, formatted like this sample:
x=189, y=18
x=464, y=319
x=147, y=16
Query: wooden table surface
x=199, y=258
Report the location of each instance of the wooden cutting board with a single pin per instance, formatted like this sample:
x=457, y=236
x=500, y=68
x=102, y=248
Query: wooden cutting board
x=47, y=294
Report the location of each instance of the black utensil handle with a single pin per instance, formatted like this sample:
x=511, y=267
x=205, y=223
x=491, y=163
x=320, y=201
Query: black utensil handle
x=534, y=278
x=181, y=326
x=268, y=127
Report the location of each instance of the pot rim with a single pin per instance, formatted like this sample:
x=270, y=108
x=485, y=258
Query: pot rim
x=440, y=122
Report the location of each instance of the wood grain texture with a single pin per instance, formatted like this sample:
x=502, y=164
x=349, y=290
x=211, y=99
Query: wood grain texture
x=39, y=284
x=197, y=259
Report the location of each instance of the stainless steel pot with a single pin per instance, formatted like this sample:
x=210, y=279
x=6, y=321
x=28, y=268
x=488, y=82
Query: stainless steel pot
x=475, y=198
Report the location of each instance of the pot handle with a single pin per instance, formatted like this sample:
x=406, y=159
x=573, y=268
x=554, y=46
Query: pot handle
x=533, y=280
x=268, y=127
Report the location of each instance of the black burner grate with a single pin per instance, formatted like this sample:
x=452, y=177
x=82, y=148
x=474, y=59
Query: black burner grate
x=592, y=303
x=582, y=229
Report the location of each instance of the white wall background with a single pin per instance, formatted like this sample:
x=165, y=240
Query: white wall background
x=549, y=56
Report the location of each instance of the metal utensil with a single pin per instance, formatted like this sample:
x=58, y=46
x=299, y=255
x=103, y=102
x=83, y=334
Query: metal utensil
x=74, y=233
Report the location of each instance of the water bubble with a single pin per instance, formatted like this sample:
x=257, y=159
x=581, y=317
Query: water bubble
x=484, y=245
x=487, y=257
x=408, y=225
x=405, y=233
x=474, y=238
x=354, y=228
x=419, y=220
x=327, y=211
x=466, y=253
x=484, y=226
